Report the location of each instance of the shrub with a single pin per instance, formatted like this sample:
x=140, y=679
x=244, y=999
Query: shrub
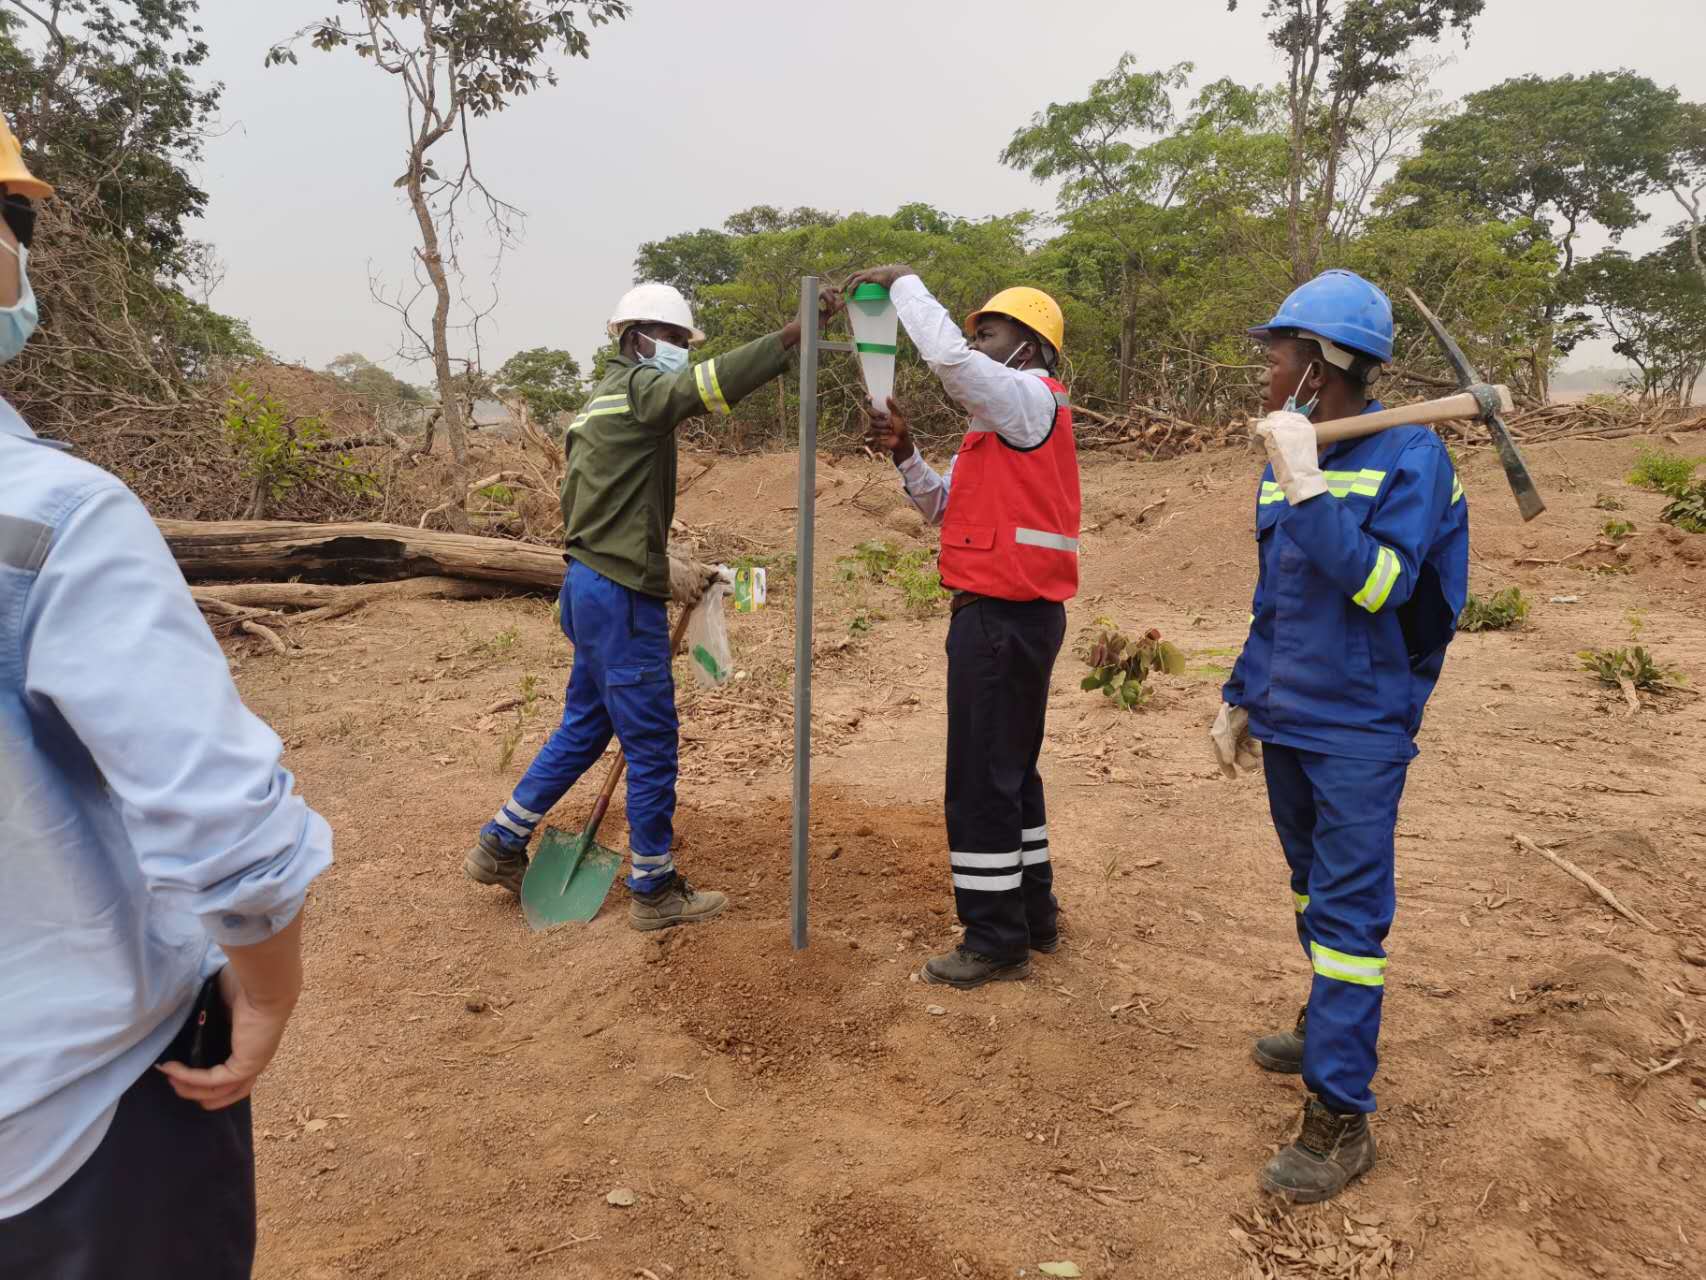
x=1119, y=665
x=1659, y=469
x=1687, y=510
x=1499, y=612
x=1617, y=530
x=1634, y=664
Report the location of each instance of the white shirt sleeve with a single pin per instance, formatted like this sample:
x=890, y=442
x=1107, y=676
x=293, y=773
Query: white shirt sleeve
x=1011, y=402
x=926, y=490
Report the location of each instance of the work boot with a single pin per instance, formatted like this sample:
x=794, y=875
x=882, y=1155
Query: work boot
x=1283, y=1051
x=1332, y=1150
x=678, y=903
x=491, y=861
x=965, y=969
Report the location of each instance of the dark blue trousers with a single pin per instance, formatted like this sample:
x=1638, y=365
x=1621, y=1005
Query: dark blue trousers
x=169, y=1194
x=1336, y=818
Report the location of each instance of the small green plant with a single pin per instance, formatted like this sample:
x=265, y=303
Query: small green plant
x=277, y=452
x=501, y=494
x=861, y=624
x=872, y=560
x=498, y=644
x=1633, y=665
x=1662, y=470
x=913, y=572
x=1617, y=530
x=1687, y=509
x=529, y=694
x=1605, y=502
x=1498, y=612
x=1119, y=665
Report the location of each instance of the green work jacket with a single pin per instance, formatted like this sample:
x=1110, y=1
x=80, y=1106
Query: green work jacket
x=619, y=489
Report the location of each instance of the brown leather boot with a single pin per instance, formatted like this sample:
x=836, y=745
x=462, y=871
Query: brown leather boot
x=966, y=969
x=1332, y=1151
x=1283, y=1051
x=679, y=903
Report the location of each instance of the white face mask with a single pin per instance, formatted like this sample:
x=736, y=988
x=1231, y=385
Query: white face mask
x=666, y=356
x=18, y=322
x=1008, y=362
x=1291, y=405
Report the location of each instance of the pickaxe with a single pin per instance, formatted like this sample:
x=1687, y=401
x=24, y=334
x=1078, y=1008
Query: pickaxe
x=1478, y=399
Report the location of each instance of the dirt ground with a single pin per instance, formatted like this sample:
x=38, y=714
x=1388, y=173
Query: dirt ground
x=458, y=1096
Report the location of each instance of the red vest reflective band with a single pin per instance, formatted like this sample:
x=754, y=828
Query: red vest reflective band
x=1011, y=528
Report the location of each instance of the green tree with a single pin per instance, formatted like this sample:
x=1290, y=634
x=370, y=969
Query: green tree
x=111, y=97
x=1559, y=155
x=1688, y=180
x=455, y=61
x=1338, y=53
x=379, y=387
x=1097, y=148
x=691, y=261
x=548, y=381
x=1654, y=309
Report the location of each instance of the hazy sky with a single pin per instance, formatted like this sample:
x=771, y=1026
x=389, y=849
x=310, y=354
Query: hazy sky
x=693, y=109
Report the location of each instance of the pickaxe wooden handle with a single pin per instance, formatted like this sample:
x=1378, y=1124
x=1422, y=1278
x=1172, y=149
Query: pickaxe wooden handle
x=1466, y=404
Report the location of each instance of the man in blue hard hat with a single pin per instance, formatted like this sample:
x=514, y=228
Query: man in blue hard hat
x=1363, y=567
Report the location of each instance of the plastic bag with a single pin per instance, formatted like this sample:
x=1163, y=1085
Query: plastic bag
x=708, y=637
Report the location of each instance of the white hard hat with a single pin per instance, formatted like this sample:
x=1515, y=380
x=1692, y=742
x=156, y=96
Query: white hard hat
x=661, y=303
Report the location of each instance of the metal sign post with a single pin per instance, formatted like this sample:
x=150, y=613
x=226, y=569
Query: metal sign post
x=810, y=346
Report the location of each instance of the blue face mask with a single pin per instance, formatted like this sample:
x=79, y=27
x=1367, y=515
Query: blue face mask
x=666, y=357
x=18, y=322
x=1291, y=405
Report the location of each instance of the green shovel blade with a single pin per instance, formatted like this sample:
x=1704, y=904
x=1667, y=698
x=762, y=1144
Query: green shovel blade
x=567, y=880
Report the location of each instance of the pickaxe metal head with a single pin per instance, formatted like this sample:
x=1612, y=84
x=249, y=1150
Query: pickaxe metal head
x=1528, y=498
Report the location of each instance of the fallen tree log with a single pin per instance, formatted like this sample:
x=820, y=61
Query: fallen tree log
x=354, y=552
x=316, y=595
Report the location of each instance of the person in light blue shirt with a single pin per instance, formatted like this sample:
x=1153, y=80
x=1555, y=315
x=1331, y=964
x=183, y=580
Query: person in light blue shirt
x=154, y=860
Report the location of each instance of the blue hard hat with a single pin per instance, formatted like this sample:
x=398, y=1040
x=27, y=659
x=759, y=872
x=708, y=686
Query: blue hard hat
x=1343, y=308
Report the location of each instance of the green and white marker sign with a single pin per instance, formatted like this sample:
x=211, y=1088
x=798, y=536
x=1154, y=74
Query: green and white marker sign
x=875, y=328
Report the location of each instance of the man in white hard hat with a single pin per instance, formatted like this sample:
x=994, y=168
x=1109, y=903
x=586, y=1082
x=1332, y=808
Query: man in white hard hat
x=618, y=502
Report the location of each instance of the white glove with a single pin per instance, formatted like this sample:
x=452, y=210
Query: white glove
x=1234, y=748
x=1290, y=440
x=688, y=580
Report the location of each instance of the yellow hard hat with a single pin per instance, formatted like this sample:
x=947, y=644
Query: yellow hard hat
x=1030, y=307
x=14, y=173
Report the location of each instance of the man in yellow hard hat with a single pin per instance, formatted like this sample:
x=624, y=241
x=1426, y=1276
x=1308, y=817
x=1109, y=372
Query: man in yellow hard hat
x=19, y=188
x=1008, y=507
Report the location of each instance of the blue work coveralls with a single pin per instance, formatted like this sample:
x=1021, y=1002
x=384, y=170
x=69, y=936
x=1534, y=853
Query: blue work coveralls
x=1357, y=595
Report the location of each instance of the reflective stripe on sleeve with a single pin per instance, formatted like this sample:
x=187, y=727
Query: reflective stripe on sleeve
x=1456, y=491
x=1364, y=971
x=1341, y=484
x=710, y=391
x=1381, y=580
x=1300, y=901
x=1052, y=541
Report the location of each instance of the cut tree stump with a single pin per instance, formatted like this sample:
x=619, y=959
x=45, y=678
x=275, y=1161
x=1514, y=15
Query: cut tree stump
x=354, y=552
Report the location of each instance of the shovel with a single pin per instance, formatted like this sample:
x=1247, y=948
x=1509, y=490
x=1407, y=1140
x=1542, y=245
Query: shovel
x=570, y=876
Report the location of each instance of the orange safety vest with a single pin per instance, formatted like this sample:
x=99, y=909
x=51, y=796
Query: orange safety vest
x=1011, y=528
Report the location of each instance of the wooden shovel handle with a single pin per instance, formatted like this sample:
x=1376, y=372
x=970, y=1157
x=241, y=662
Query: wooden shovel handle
x=621, y=761
x=1463, y=405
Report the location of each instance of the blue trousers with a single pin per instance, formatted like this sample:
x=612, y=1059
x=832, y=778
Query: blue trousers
x=621, y=684
x=1336, y=818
